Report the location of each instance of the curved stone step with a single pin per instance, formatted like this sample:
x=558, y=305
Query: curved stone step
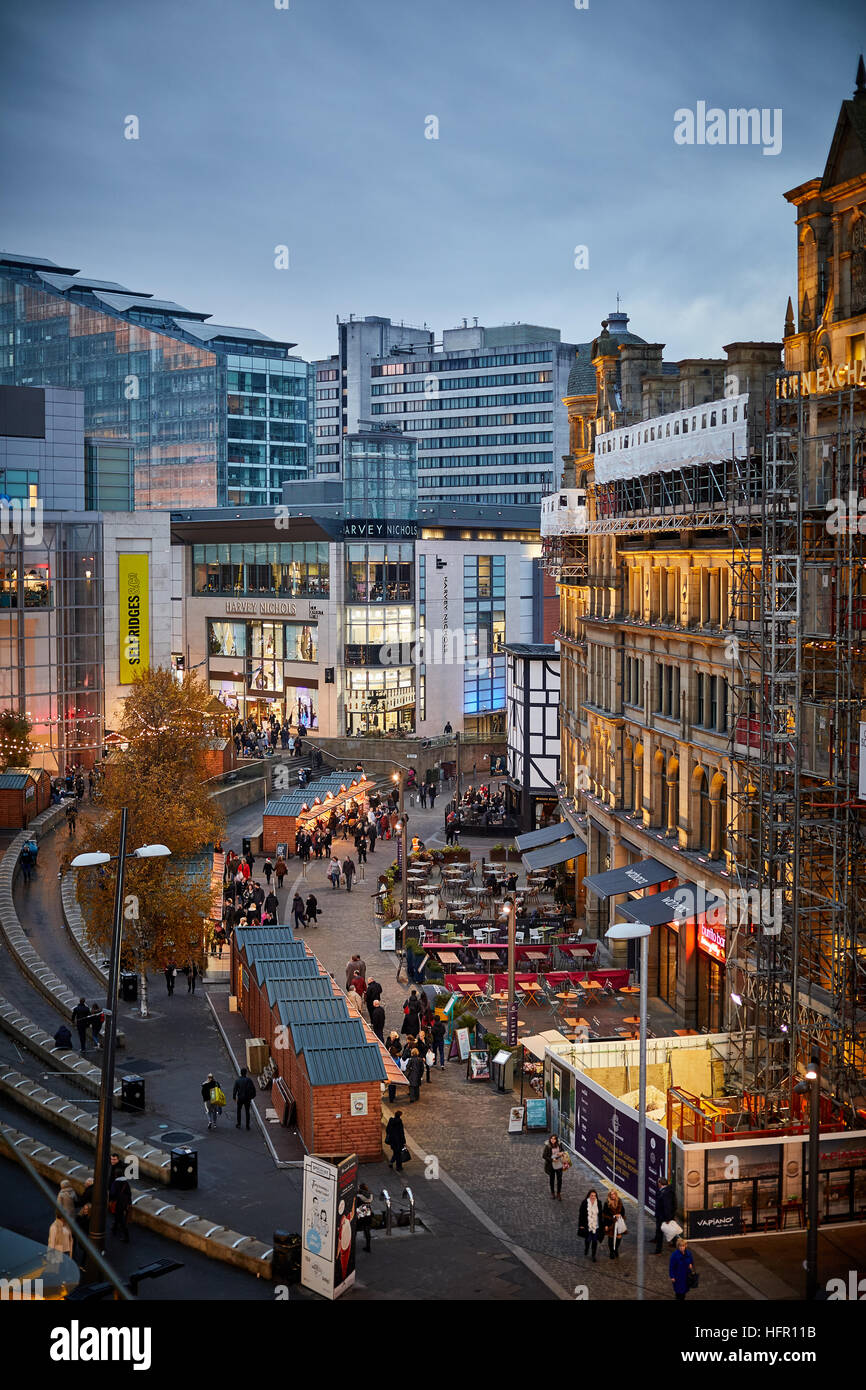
x=28, y=1035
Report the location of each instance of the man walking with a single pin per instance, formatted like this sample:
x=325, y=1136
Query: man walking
x=432, y=795
x=71, y=815
x=80, y=1016
x=377, y=1020
x=666, y=1208
x=96, y=1020
x=373, y=995
x=355, y=967
x=348, y=871
x=395, y=1138
x=244, y=1092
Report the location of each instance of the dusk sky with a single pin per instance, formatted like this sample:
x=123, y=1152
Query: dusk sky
x=305, y=127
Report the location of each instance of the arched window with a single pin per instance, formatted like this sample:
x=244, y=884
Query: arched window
x=637, y=796
x=657, y=789
x=718, y=815
x=672, y=796
x=627, y=774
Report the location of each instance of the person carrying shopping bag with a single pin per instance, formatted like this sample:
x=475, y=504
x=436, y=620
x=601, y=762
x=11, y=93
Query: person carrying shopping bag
x=589, y=1223
x=613, y=1217
x=682, y=1270
x=214, y=1099
x=556, y=1161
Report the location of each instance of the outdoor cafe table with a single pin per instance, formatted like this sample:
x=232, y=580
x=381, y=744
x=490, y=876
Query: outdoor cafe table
x=470, y=989
x=534, y=953
x=532, y=991
x=629, y=989
x=449, y=958
x=488, y=955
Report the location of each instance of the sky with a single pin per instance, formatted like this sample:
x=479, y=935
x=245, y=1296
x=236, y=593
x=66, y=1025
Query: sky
x=306, y=127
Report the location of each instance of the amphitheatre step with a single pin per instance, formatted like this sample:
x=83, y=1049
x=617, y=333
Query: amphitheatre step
x=28, y=1035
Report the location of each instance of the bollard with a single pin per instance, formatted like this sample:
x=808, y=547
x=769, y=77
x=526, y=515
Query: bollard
x=407, y=1192
x=386, y=1198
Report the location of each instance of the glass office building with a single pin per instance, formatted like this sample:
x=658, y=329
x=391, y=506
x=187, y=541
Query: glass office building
x=216, y=415
x=380, y=476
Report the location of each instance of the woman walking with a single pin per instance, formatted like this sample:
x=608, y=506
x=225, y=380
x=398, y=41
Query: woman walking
x=334, y=871
x=312, y=909
x=211, y=1092
x=298, y=912
x=613, y=1218
x=589, y=1222
x=414, y=1075
x=554, y=1163
x=281, y=868
x=682, y=1269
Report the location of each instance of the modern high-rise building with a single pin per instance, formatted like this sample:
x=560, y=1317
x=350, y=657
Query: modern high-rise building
x=215, y=415
x=485, y=404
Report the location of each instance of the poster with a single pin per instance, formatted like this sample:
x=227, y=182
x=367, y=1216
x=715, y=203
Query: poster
x=515, y=1119
x=358, y=1102
x=536, y=1113
x=606, y=1136
x=133, y=600
x=478, y=1067
x=388, y=937
x=462, y=1036
x=328, y=1226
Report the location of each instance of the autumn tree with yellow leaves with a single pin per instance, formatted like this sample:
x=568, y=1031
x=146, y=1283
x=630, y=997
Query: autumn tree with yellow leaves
x=158, y=774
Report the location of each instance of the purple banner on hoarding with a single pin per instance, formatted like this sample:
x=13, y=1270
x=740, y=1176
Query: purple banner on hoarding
x=607, y=1137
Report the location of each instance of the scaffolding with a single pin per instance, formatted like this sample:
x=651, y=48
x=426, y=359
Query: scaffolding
x=797, y=830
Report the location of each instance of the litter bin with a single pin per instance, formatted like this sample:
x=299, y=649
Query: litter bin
x=184, y=1168
x=246, y=846
x=286, y=1259
x=128, y=986
x=132, y=1093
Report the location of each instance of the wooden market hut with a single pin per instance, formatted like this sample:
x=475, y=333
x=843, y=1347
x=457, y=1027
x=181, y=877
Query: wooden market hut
x=302, y=806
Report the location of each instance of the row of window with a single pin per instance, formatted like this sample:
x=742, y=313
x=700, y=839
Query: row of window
x=440, y=479
x=328, y=393
x=327, y=412
x=468, y=422
x=327, y=374
x=266, y=383
x=517, y=499
x=272, y=641
x=455, y=364
x=462, y=383
x=460, y=403
x=481, y=460
x=481, y=441
x=267, y=407
x=281, y=431
x=651, y=433
x=284, y=569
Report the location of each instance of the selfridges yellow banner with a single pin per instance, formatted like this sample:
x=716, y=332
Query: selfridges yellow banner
x=134, y=603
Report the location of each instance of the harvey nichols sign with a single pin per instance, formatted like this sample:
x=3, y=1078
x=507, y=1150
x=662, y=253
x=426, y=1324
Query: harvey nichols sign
x=380, y=530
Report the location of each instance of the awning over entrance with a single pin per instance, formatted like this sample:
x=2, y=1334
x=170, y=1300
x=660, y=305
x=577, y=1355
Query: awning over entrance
x=547, y=836
x=681, y=904
x=554, y=854
x=539, y=1041
x=645, y=874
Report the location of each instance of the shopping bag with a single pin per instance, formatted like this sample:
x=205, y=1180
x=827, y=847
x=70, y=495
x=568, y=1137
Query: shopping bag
x=217, y=1096
x=430, y=1059
x=405, y=1155
x=619, y=1226
x=671, y=1229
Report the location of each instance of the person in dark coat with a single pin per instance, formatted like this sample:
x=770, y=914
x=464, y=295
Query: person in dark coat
x=414, y=1075
x=244, y=1092
x=364, y=1212
x=298, y=912
x=611, y=1211
x=681, y=1269
x=311, y=908
x=395, y=1138
x=272, y=905
x=377, y=1020
x=589, y=1223
x=438, y=1031
x=666, y=1210
x=80, y=1015
x=348, y=871
x=120, y=1200
x=374, y=993
x=169, y=973
x=63, y=1037
x=395, y=1052
x=411, y=1016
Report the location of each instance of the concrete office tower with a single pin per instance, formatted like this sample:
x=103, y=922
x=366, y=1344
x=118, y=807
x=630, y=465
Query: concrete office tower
x=216, y=415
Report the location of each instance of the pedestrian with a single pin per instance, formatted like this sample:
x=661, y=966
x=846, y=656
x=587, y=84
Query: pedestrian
x=666, y=1210
x=80, y=1017
x=438, y=1031
x=26, y=862
x=373, y=994
x=281, y=868
x=192, y=973
x=298, y=912
x=554, y=1163
x=271, y=905
x=432, y=795
x=60, y=1237
x=269, y=869
x=411, y=1014
x=423, y=795
x=170, y=973
x=613, y=1219
x=361, y=847
x=96, y=1018
x=372, y=834
x=66, y=1200
x=71, y=815
x=359, y=987
x=119, y=1202
x=355, y=966
x=214, y=1099
x=395, y=1138
x=395, y=1052
x=244, y=1092
x=377, y=1020
x=681, y=1268
x=334, y=871
x=428, y=1055
x=311, y=907
x=348, y=871
x=589, y=1223
x=63, y=1037
x=364, y=1213
x=414, y=1075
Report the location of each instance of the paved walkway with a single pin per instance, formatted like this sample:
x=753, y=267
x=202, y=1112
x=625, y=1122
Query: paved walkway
x=460, y=1128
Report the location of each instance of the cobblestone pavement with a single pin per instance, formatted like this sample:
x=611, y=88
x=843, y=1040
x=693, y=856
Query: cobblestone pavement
x=464, y=1125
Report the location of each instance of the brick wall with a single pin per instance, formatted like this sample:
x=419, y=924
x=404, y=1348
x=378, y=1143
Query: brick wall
x=337, y=1131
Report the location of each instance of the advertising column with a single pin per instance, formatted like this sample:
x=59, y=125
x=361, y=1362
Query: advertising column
x=328, y=1238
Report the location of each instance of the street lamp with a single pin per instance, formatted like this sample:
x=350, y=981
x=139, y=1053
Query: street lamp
x=811, y=1086
x=99, y=1201
x=639, y=931
x=509, y=911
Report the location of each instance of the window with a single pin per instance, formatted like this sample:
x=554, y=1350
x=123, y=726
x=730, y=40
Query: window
x=284, y=569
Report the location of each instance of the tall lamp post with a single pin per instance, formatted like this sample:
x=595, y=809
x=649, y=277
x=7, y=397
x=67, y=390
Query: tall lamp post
x=509, y=912
x=404, y=867
x=639, y=931
x=811, y=1086
x=102, y=1162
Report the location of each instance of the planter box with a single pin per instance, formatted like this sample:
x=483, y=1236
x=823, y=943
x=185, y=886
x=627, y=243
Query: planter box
x=515, y=857
x=497, y=856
